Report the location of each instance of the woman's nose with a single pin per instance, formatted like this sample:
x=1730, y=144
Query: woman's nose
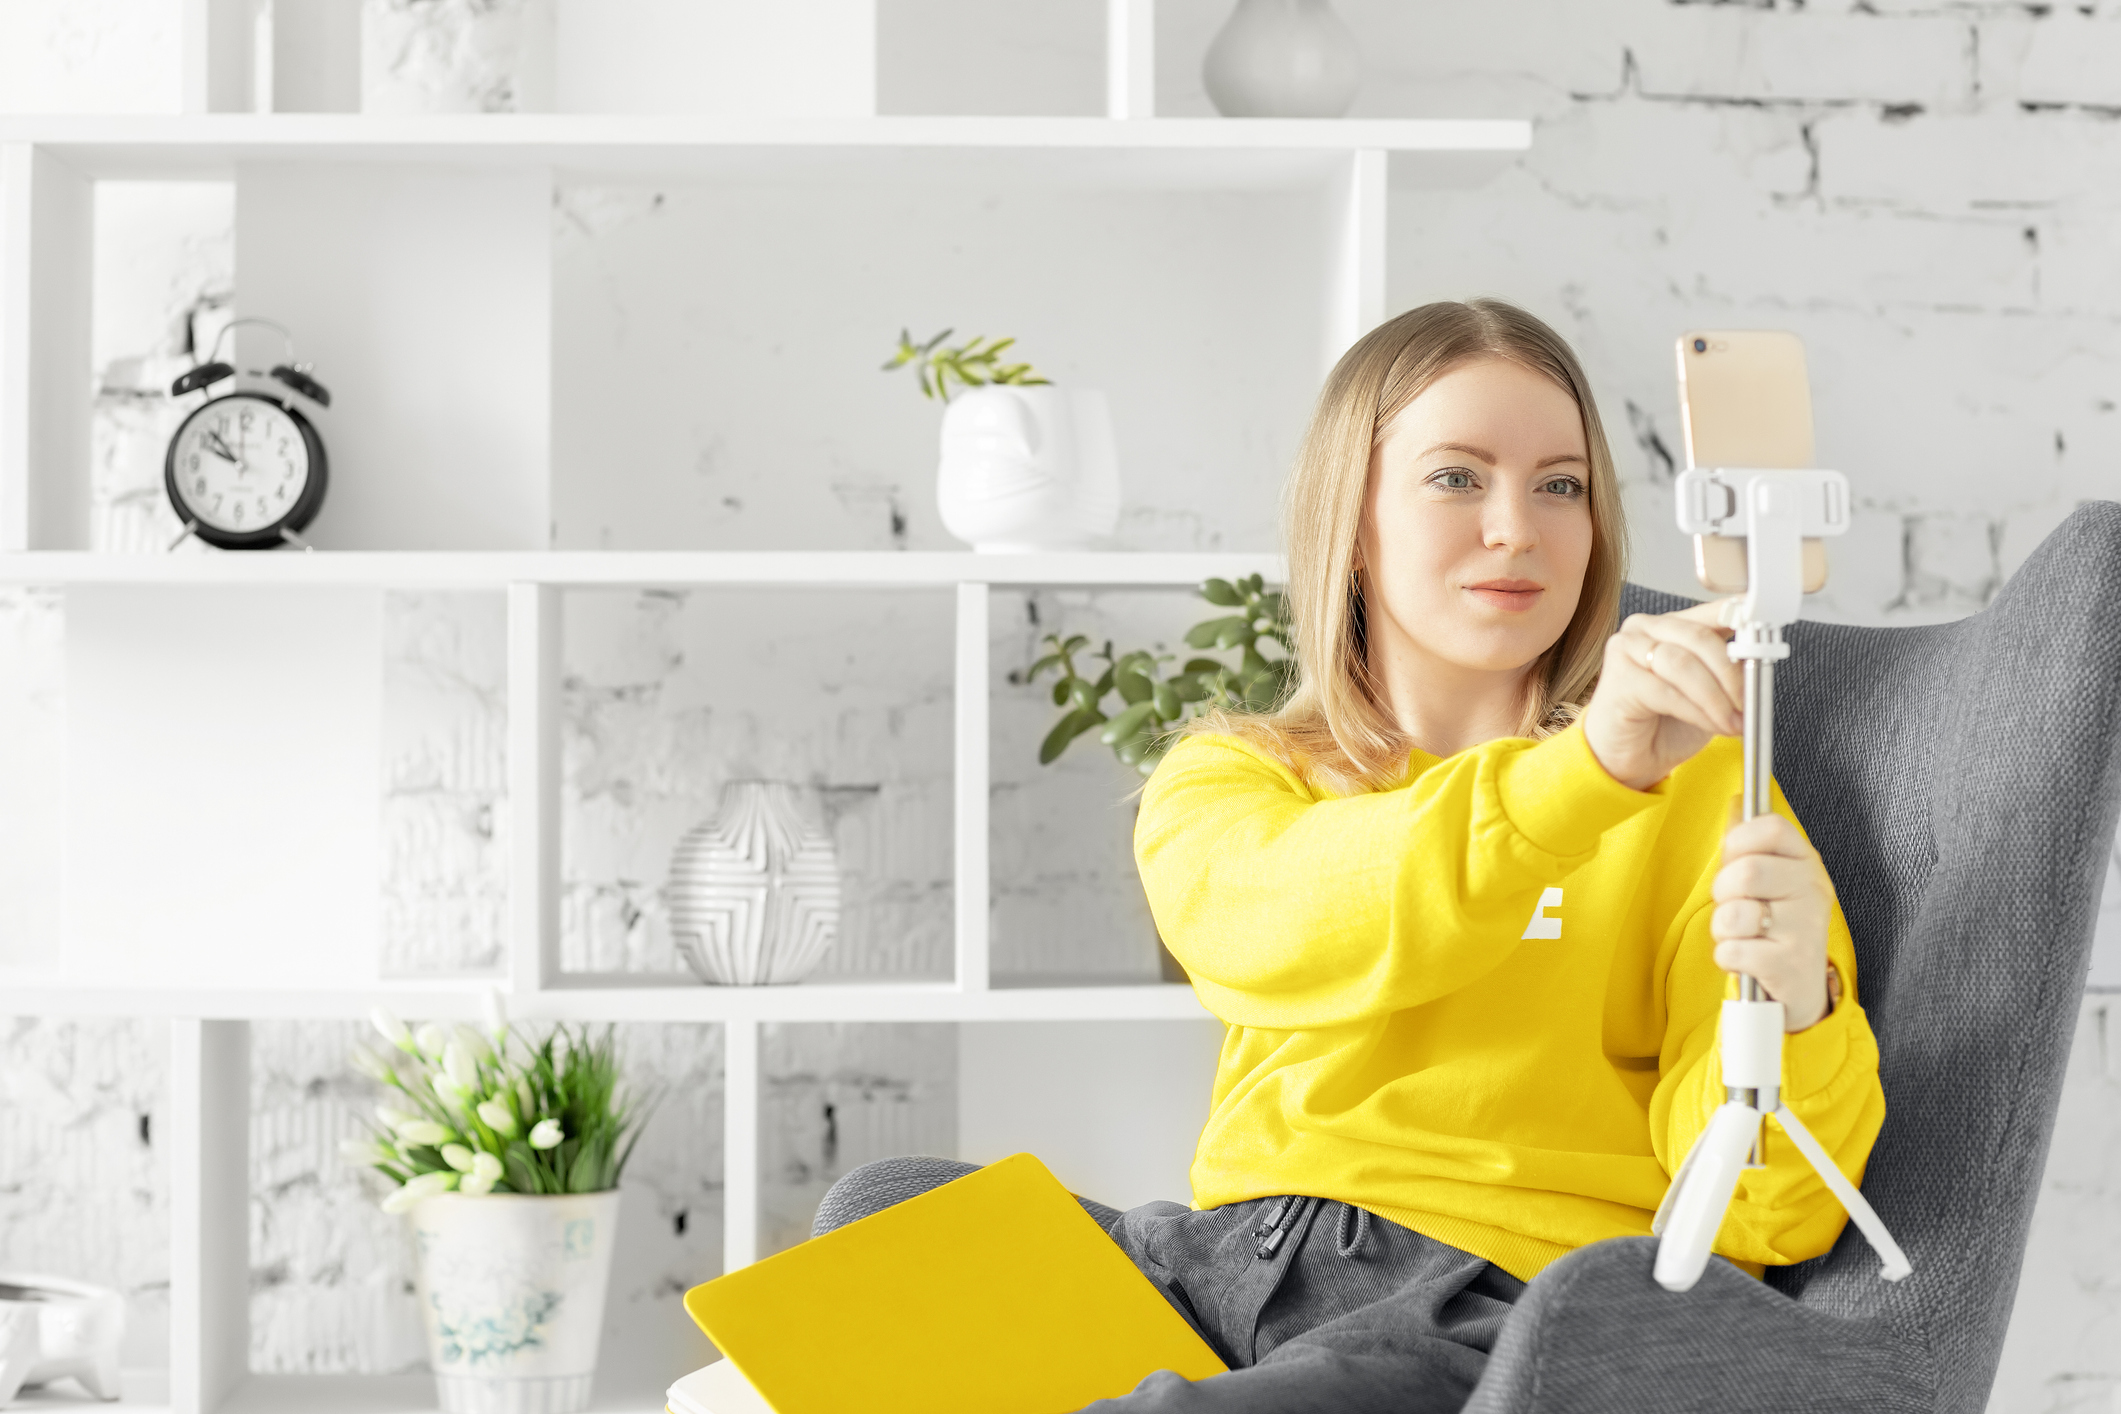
x=1506, y=522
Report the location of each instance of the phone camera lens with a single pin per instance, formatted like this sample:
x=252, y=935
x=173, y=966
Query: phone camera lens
x=1701, y=346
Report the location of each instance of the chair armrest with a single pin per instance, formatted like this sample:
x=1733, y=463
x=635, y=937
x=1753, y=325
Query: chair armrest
x=1593, y=1333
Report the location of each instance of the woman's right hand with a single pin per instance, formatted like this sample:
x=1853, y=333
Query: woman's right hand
x=1667, y=687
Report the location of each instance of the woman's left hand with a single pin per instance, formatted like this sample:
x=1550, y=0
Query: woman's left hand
x=1773, y=900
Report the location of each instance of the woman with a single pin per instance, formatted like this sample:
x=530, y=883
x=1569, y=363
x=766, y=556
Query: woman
x=1462, y=905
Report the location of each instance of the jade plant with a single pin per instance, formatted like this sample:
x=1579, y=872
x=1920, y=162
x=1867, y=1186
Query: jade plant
x=974, y=364
x=1154, y=700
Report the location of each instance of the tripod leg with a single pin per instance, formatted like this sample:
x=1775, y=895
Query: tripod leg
x=1867, y=1220
x=1700, y=1195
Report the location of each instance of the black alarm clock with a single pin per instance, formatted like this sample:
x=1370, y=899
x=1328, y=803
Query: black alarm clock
x=246, y=470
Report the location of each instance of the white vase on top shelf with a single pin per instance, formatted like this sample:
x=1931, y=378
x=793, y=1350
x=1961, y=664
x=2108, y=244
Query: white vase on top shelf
x=457, y=56
x=1282, y=59
x=754, y=893
x=1028, y=468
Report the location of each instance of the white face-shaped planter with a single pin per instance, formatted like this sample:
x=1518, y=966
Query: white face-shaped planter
x=77, y=1328
x=18, y=1346
x=1028, y=469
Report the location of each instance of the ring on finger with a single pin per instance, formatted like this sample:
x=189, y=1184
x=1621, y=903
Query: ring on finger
x=1649, y=660
x=1767, y=916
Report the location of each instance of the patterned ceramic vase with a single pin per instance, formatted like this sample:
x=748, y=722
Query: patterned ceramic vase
x=512, y=1291
x=755, y=892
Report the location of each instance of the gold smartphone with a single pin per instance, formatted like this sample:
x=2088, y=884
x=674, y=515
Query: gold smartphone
x=1744, y=401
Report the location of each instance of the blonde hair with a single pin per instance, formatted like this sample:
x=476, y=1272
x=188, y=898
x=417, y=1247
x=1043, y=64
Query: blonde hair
x=1332, y=728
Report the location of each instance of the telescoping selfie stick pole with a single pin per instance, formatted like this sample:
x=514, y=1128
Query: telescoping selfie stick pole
x=1775, y=511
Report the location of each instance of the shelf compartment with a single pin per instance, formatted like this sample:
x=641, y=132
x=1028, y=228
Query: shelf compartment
x=1066, y=894
x=671, y=694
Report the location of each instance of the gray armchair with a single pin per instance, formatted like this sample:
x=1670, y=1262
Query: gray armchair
x=1961, y=782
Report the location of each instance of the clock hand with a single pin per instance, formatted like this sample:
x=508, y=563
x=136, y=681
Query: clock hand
x=219, y=448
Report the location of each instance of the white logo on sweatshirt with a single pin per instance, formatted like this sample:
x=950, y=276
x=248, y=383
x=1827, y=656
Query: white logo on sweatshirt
x=1542, y=926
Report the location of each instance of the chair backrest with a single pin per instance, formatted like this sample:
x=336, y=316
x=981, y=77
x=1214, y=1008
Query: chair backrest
x=1961, y=781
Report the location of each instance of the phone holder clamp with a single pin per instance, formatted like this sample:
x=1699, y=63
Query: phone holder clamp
x=1774, y=511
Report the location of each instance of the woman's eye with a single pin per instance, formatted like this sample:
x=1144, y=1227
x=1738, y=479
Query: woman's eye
x=1564, y=486
x=1454, y=480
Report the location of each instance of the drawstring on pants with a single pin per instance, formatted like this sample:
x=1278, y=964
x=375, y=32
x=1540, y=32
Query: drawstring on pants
x=1274, y=1227
x=1353, y=1229
x=1343, y=1243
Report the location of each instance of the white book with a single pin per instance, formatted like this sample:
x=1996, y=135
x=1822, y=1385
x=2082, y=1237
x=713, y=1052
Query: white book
x=716, y=1389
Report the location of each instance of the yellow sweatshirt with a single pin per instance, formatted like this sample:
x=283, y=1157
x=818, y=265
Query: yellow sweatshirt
x=1482, y=1003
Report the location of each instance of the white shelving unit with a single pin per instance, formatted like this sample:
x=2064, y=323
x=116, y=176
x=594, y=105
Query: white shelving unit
x=48, y=168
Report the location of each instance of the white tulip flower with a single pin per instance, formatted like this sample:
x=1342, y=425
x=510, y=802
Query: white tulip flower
x=486, y=1168
x=425, y=1186
x=373, y=1066
x=546, y=1134
x=473, y=1186
x=526, y=1098
x=365, y=1151
x=393, y=1119
x=451, y=1093
x=393, y=1030
x=497, y=1117
x=474, y=1045
x=433, y=1039
x=460, y=1066
x=496, y=1014
x=457, y=1157
x=424, y=1131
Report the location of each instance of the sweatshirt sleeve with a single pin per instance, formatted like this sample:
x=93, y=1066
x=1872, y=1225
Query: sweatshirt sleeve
x=1294, y=911
x=1783, y=1213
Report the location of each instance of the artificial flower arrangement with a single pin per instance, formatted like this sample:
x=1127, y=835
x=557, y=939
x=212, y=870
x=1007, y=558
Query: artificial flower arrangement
x=495, y=1113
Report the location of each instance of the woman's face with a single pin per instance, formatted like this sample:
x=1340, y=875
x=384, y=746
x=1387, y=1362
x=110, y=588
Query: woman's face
x=1477, y=520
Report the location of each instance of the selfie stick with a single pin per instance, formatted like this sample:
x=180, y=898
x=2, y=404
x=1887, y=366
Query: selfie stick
x=1775, y=511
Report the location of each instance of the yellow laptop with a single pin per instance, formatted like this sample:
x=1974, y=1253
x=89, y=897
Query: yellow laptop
x=992, y=1294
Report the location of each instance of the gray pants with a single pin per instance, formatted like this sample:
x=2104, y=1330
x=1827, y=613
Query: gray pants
x=1313, y=1305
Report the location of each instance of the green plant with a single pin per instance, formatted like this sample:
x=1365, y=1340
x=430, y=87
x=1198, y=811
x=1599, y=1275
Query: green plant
x=1151, y=703
x=970, y=365
x=512, y=1116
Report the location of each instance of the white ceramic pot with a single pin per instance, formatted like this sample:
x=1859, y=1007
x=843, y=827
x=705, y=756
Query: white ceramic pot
x=512, y=1291
x=1028, y=469
x=1282, y=59
x=457, y=56
x=78, y=1330
x=754, y=893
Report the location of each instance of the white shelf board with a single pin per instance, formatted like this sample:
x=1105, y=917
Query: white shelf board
x=1104, y=149
x=676, y=1000
x=589, y=568
x=140, y=1391
x=397, y=1394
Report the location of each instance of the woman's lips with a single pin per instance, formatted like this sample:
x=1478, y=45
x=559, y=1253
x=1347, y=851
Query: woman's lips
x=1515, y=595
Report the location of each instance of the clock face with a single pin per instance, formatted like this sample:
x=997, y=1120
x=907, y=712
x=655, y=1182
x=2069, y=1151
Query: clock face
x=240, y=465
